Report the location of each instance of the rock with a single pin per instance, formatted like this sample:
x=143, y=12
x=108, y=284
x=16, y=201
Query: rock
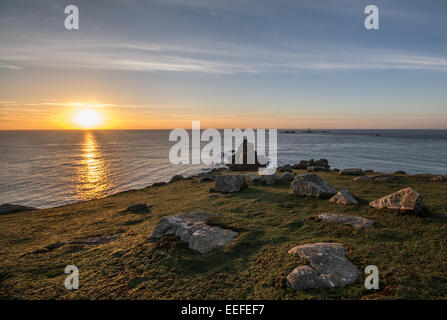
x=399, y=172
x=311, y=185
x=253, y=179
x=207, y=179
x=363, y=178
x=344, y=197
x=287, y=177
x=316, y=168
x=354, y=221
x=285, y=168
x=351, y=172
x=270, y=179
x=303, y=164
x=192, y=228
x=138, y=208
x=11, y=208
x=246, y=158
x=328, y=267
x=229, y=183
x=407, y=200
x=175, y=178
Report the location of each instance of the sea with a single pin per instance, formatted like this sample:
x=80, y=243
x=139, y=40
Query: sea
x=51, y=168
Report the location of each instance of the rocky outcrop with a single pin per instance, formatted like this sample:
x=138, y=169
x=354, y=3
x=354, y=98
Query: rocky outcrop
x=328, y=267
x=304, y=164
x=311, y=185
x=192, y=228
x=406, y=200
x=11, y=208
x=354, y=221
x=253, y=179
x=246, y=158
x=351, y=172
x=344, y=197
x=229, y=183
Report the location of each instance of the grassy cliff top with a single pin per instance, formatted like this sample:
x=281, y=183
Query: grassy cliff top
x=410, y=251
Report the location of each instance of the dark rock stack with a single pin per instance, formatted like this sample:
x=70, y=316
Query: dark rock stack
x=304, y=164
x=245, y=166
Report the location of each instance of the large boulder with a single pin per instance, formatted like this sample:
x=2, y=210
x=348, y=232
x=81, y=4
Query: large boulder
x=351, y=172
x=311, y=185
x=344, y=197
x=192, y=228
x=328, y=267
x=229, y=183
x=354, y=221
x=407, y=200
x=253, y=179
x=11, y=208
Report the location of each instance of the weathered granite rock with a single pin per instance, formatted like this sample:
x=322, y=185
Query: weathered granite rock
x=11, y=208
x=287, y=176
x=351, y=172
x=175, y=178
x=354, y=221
x=316, y=168
x=399, y=172
x=311, y=185
x=363, y=178
x=408, y=200
x=344, y=197
x=229, y=183
x=285, y=168
x=192, y=228
x=138, y=208
x=328, y=267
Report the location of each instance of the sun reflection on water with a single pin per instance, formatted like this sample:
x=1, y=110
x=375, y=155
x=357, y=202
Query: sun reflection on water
x=93, y=173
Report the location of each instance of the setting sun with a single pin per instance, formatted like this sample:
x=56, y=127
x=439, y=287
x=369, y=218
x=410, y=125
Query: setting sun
x=88, y=119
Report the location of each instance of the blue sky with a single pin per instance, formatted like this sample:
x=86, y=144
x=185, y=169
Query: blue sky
x=285, y=64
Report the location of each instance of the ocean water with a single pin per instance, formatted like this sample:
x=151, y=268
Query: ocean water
x=51, y=168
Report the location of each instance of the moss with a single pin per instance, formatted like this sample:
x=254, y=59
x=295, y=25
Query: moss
x=410, y=251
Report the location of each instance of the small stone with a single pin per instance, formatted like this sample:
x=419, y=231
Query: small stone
x=354, y=221
x=344, y=197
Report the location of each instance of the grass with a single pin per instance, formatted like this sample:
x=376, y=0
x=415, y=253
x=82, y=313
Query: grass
x=410, y=251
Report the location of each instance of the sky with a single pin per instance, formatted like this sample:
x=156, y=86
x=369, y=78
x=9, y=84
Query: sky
x=161, y=64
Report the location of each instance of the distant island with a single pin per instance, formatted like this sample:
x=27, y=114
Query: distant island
x=305, y=131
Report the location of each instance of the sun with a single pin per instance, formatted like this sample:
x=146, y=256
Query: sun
x=88, y=118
